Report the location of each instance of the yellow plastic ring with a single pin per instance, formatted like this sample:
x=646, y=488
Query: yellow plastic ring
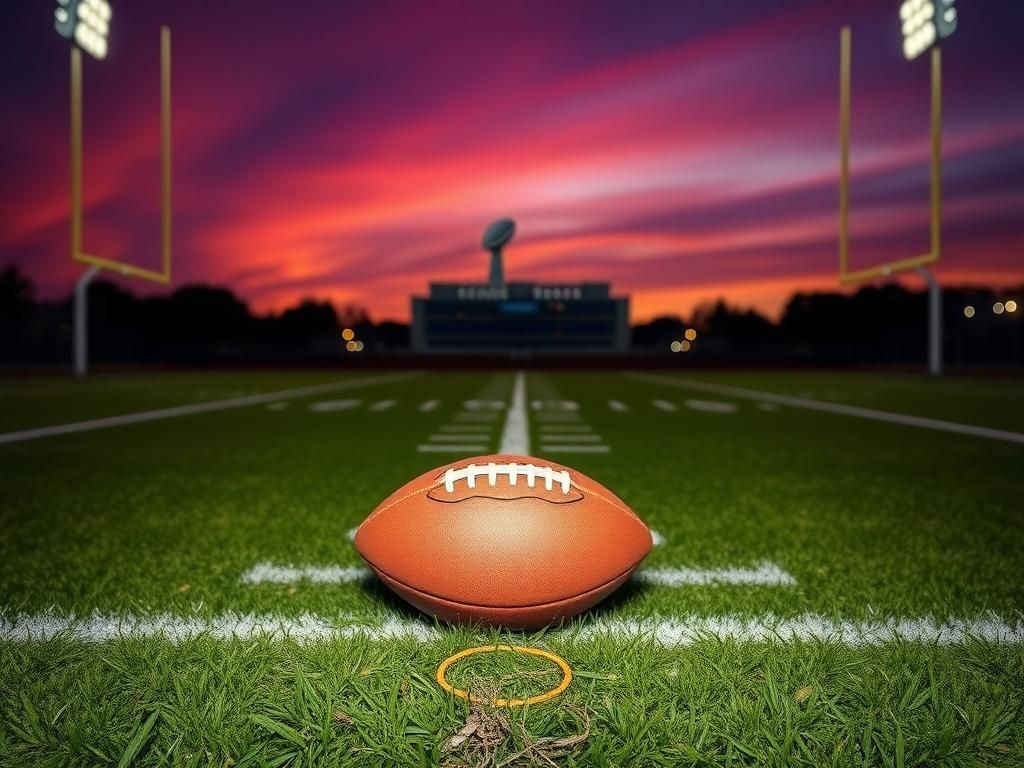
x=558, y=660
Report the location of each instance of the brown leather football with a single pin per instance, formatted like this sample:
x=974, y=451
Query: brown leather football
x=501, y=540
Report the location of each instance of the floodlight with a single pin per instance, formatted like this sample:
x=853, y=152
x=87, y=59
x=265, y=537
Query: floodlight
x=1011, y=306
x=968, y=311
x=690, y=334
x=87, y=22
x=998, y=307
x=924, y=22
x=348, y=334
x=674, y=346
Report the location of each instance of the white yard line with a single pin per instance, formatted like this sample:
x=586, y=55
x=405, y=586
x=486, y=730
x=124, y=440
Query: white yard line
x=455, y=438
x=429, y=405
x=710, y=406
x=656, y=538
x=189, y=410
x=515, y=437
x=383, y=405
x=452, y=449
x=665, y=405
x=331, y=406
x=562, y=428
x=668, y=631
x=575, y=448
x=618, y=405
x=764, y=575
x=270, y=573
x=845, y=410
x=572, y=438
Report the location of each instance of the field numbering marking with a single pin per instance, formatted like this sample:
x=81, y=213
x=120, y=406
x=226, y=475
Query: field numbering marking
x=845, y=410
x=189, y=410
x=667, y=631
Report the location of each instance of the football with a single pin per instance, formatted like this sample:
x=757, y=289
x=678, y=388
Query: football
x=501, y=540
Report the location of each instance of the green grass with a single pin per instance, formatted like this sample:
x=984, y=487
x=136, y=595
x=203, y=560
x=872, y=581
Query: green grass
x=873, y=520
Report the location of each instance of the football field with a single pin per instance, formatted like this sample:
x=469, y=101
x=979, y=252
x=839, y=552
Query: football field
x=837, y=575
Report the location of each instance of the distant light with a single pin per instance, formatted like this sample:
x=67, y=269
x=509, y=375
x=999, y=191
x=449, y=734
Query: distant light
x=348, y=334
x=924, y=22
x=350, y=346
x=968, y=311
x=87, y=22
x=690, y=334
x=684, y=346
x=359, y=346
x=998, y=307
x=675, y=346
x=1011, y=306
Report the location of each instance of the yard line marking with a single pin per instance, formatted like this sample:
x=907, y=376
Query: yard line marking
x=575, y=448
x=557, y=416
x=350, y=534
x=330, y=406
x=665, y=405
x=710, y=406
x=845, y=410
x=764, y=575
x=475, y=416
x=383, y=405
x=667, y=631
x=618, y=405
x=562, y=428
x=515, y=437
x=429, y=405
x=189, y=410
x=445, y=448
x=269, y=573
x=466, y=428
x=656, y=538
x=277, y=406
x=456, y=438
x=573, y=438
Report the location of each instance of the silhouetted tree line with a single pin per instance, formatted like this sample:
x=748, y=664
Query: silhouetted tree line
x=877, y=324
x=196, y=324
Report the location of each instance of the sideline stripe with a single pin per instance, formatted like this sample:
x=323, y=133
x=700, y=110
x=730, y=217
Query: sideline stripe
x=515, y=437
x=764, y=575
x=668, y=631
x=845, y=410
x=268, y=573
x=189, y=410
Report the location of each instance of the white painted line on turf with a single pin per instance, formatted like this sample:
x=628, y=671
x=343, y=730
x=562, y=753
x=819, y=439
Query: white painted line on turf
x=768, y=407
x=476, y=416
x=383, y=405
x=573, y=438
x=764, y=575
x=330, y=406
x=710, y=406
x=429, y=405
x=446, y=448
x=350, y=534
x=455, y=438
x=575, y=448
x=515, y=437
x=563, y=428
x=668, y=631
x=618, y=405
x=656, y=538
x=190, y=410
x=269, y=573
x=845, y=410
x=277, y=406
x=665, y=405
x=466, y=428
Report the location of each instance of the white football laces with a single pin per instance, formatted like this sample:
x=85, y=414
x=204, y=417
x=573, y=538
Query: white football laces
x=491, y=470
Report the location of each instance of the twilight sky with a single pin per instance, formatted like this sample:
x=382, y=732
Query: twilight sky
x=355, y=151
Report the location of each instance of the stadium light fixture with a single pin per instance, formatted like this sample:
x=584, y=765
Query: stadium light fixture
x=924, y=22
x=998, y=308
x=968, y=311
x=86, y=22
x=690, y=334
x=348, y=334
x=1011, y=305
x=684, y=346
